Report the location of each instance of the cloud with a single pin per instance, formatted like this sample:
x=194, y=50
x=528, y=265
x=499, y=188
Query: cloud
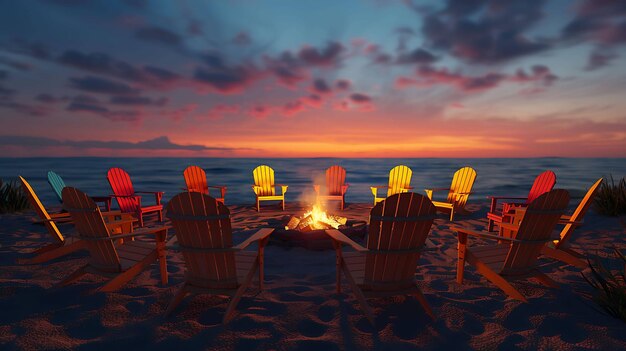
x=138, y=101
x=159, y=143
x=102, y=86
x=22, y=66
x=27, y=109
x=320, y=87
x=598, y=59
x=360, y=98
x=242, y=38
x=485, y=31
x=260, y=111
x=89, y=104
x=417, y=56
x=223, y=78
x=598, y=21
x=293, y=107
x=49, y=99
x=327, y=56
x=343, y=84
x=159, y=35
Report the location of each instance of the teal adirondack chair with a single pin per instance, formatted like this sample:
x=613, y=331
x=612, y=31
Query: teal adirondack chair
x=57, y=184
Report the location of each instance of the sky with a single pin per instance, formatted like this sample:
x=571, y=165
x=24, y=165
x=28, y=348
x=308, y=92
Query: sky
x=284, y=78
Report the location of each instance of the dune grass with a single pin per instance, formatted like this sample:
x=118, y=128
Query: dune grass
x=12, y=198
x=610, y=199
x=609, y=285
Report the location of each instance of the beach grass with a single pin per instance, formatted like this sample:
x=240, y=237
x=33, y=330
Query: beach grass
x=12, y=198
x=609, y=285
x=611, y=198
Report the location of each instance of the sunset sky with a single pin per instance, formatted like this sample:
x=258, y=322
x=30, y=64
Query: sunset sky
x=348, y=78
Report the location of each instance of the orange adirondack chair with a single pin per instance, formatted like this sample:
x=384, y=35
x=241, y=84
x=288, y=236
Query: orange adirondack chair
x=195, y=178
x=336, y=185
x=120, y=263
x=458, y=192
x=515, y=258
x=214, y=265
x=64, y=245
x=542, y=184
x=559, y=249
x=264, y=187
x=399, y=182
x=127, y=197
x=398, y=229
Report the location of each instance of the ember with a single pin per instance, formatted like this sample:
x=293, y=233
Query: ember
x=315, y=219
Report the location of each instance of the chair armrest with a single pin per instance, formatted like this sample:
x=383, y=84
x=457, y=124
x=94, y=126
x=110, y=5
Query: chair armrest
x=146, y=231
x=120, y=222
x=259, y=235
x=344, y=188
x=375, y=188
x=507, y=197
x=127, y=196
x=480, y=234
x=407, y=188
x=284, y=187
x=256, y=189
x=217, y=186
x=150, y=192
x=342, y=238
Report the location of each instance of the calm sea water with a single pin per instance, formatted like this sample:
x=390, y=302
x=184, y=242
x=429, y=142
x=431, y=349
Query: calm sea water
x=495, y=176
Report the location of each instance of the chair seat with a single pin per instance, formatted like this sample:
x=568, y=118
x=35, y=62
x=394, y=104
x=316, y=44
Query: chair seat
x=271, y=197
x=440, y=204
x=132, y=252
x=491, y=255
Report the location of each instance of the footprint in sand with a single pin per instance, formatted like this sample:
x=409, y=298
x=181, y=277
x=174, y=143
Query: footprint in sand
x=326, y=313
x=315, y=345
x=311, y=328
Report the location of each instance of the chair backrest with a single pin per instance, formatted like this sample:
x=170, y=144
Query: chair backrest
x=398, y=229
x=534, y=231
x=122, y=186
x=543, y=183
x=90, y=226
x=195, y=178
x=462, y=182
x=335, y=179
x=264, y=178
x=41, y=211
x=203, y=230
x=57, y=184
x=399, y=179
x=579, y=212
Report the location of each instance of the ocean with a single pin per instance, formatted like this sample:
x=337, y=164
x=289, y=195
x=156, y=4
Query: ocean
x=496, y=176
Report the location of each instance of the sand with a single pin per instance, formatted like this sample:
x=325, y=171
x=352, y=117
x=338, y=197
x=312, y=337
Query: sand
x=299, y=309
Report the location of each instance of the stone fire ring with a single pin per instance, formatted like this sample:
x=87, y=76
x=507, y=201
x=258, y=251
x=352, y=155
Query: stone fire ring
x=316, y=240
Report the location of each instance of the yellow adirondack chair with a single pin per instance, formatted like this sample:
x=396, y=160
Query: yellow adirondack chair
x=336, y=186
x=398, y=229
x=399, y=182
x=214, y=265
x=458, y=192
x=119, y=262
x=515, y=258
x=264, y=187
x=558, y=249
x=65, y=245
x=195, y=179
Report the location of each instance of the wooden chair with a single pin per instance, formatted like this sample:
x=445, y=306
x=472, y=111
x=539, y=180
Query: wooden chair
x=57, y=184
x=120, y=263
x=399, y=182
x=542, y=184
x=213, y=264
x=398, y=228
x=127, y=198
x=559, y=249
x=336, y=186
x=264, y=187
x=195, y=179
x=63, y=245
x=458, y=192
x=515, y=258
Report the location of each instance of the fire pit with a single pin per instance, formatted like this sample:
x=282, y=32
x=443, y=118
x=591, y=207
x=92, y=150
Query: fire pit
x=308, y=230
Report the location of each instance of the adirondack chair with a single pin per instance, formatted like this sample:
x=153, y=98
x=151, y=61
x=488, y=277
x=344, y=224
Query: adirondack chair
x=515, y=258
x=214, y=265
x=63, y=245
x=264, y=187
x=399, y=182
x=559, y=249
x=120, y=263
x=57, y=184
x=398, y=229
x=336, y=186
x=458, y=192
x=127, y=197
x=542, y=184
x=195, y=178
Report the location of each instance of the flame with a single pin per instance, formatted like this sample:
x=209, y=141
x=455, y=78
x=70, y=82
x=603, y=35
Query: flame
x=320, y=218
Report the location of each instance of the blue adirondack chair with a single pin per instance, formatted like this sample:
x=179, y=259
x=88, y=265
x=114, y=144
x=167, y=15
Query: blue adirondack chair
x=57, y=184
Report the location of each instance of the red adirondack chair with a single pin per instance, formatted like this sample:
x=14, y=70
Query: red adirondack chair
x=127, y=197
x=336, y=185
x=195, y=178
x=543, y=183
x=399, y=226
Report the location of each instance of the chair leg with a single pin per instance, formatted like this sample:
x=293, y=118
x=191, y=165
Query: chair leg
x=462, y=250
x=160, y=215
x=258, y=205
x=367, y=310
x=74, y=276
x=52, y=251
x=283, y=203
x=545, y=280
x=176, y=300
x=451, y=214
x=124, y=277
x=500, y=282
x=140, y=217
x=422, y=300
x=564, y=257
x=242, y=288
x=162, y=261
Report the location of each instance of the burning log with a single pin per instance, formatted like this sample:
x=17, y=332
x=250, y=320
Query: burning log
x=315, y=219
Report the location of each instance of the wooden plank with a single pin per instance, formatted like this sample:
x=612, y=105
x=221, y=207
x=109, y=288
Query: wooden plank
x=36, y=204
x=57, y=184
x=195, y=179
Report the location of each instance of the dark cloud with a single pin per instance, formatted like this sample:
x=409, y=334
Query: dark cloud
x=360, y=98
x=102, y=86
x=226, y=79
x=327, y=56
x=159, y=35
x=485, y=31
x=242, y=38
x=102, y=63
x=321, y=87
x=3, y=74
x=22, y=66
x=27, y=109
x=417, y=56
x=160, y=143
x=138, y=101
x=89, y=104
x=293, y=107
x=600, y=21
x=598, y=59
x=342, y=84
x=538, y=73
x=49, y=99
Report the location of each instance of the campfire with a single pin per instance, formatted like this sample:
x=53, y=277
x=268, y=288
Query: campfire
x=315, y=219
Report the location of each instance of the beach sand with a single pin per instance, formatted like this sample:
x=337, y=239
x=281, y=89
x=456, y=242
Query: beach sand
x=299, y=309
